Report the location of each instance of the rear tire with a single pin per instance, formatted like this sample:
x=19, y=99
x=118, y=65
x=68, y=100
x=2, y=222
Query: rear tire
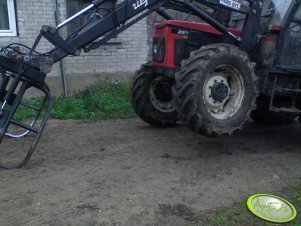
x=215, y=90
x=152, y=98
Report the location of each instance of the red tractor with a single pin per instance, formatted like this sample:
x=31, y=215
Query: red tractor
x=213, y=82
x=211, y=75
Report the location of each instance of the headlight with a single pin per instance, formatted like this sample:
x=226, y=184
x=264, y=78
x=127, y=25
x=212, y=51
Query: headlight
x=158, y=49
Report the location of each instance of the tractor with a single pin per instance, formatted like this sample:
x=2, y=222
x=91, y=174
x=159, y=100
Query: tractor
x=241, y=61
x=214, y=83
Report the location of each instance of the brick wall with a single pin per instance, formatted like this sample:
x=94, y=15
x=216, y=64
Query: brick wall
x=31, y=15
x=111, y=61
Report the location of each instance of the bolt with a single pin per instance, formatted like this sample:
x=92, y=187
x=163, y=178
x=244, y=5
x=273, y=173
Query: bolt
x=26, y=58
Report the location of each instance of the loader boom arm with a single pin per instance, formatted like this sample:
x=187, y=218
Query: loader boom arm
x=130, y=12
x=117, y=20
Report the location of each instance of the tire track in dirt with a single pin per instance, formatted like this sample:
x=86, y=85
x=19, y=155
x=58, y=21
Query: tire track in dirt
x=121, y=172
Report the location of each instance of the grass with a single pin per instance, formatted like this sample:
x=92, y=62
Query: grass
x=107, y=101
x=237, y=214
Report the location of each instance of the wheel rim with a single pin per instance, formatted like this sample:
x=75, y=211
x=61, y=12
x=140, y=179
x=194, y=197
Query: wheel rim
x=161, y=95
x=224, y=92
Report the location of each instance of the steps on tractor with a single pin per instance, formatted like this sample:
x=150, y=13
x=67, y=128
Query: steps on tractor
x=292, y=96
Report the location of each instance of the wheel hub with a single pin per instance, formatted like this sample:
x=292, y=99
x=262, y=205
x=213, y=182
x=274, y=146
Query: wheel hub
x=223, y=92
x=160, y=95
x=219, y=91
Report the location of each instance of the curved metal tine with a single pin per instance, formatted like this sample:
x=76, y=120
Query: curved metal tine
x=14, y=135
x=33, y=145
x=20, y=135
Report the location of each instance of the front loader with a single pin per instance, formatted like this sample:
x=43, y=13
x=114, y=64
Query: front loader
x=209, y=67
x=22, y=68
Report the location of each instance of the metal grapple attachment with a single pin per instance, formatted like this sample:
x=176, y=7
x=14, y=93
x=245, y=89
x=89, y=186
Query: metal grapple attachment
x=19, y=78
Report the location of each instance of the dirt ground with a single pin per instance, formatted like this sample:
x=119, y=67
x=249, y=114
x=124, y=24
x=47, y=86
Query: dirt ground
x=125, y=172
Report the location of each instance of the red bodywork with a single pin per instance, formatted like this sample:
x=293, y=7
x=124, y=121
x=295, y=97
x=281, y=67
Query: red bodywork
x=164, y=29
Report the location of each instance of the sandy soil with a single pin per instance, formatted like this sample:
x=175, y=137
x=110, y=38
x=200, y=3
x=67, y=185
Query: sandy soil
x=124, y=172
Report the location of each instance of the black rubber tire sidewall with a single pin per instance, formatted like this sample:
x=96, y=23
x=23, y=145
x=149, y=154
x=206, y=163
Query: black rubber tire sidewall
x=222, y=126
x=189, y=96
x=142, y=104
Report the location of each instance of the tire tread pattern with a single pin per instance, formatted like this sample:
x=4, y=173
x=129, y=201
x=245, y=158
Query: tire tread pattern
x=186, y=89
x=141, y=101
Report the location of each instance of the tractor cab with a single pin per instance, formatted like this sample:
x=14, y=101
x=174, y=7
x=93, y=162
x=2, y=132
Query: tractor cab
x=280, y=42
x=277, y=10
x=273, y=12
x=288, y=46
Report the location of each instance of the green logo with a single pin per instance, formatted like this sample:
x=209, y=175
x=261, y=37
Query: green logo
x=271, y=208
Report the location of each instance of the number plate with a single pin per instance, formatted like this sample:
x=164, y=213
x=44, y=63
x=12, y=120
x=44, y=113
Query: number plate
x=230, y=3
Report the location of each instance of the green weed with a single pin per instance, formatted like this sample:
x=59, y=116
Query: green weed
x=109, y=101
x=238, y=214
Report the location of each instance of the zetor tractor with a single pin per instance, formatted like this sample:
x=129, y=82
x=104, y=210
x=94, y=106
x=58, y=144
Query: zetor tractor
x=211, y=76
x=214, y=80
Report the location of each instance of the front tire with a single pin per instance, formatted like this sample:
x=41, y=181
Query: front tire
x=152, y=98
x=215, y=90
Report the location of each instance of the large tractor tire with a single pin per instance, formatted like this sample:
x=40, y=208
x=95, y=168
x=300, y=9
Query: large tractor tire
x=263, y=116
x=216, y=90
x=152, y=98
